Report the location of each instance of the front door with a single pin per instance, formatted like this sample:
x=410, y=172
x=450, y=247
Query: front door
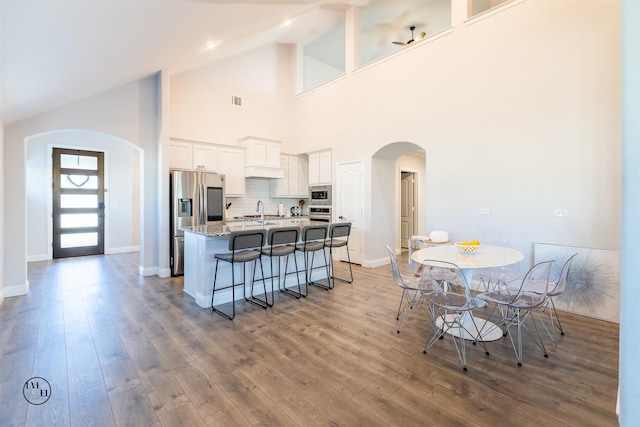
x=78, y=203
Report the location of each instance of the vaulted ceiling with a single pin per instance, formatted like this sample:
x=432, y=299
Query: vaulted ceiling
x=54, y=52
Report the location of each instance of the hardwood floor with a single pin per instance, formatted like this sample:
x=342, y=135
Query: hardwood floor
x=123, y=350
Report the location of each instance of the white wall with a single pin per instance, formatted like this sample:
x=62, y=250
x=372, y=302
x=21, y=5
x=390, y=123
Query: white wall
x=2, y=223
x=629, y=373
x=130, y=113
x=122, y=211
x=200, y=102
x=518, y=112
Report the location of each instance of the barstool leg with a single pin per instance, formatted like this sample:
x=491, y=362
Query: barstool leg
x=233, y=294
x=282, y=285
x=310, y=269
x=333, y=277
x=253, y=299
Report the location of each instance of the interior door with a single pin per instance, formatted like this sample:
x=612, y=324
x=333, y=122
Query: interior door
x=407, y=208
x=78, y=203
x=348, y=205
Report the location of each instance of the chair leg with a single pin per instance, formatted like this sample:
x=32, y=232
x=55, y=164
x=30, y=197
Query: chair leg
x=282, y=285
x=253, y=299
x=233, y=294
x=309, y=269
x=518, y=320
x=333, y=277
x=555, y=317
x=406, y=302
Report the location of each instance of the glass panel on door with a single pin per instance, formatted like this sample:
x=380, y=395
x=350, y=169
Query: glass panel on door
x=74, y=240
x=78, y=220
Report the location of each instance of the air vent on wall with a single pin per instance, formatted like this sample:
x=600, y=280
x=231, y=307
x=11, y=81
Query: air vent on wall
x=236, y=100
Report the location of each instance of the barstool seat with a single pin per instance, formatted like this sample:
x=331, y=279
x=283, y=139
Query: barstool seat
x=282, y=241
x=245, y=246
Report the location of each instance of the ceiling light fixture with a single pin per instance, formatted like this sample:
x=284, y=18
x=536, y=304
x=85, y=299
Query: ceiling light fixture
x=211, y=45
x=287, y=22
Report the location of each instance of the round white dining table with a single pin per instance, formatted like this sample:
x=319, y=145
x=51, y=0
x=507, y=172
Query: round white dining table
x=487, y=256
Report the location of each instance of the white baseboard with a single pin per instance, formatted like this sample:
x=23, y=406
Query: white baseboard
x=17, y=290
x=109, y=251
x=122, y=250
x=149, y=271
x=373, y=263
x=164, y=272
x=38, y=257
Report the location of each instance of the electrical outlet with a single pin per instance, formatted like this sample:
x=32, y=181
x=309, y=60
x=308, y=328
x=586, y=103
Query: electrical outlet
x=559, y=212
x=485, y=211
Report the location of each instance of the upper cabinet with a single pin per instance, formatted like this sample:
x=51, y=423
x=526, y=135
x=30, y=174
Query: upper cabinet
x=320, y=167
x=262, y=157
x=223, y=159
x=295, y=182
x=206, y=157
x=232, y=166
x=180, y=155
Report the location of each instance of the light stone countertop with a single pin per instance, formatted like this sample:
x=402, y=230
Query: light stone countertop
x=224, y=230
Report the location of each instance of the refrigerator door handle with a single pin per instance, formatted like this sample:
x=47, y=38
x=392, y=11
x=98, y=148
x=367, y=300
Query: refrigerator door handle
x=202, y=207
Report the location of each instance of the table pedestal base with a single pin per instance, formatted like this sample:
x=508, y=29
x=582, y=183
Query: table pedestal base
x=488, y=331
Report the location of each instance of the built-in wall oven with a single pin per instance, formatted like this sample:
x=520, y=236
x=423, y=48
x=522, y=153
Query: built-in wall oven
x=320, y=195
x=320, y=213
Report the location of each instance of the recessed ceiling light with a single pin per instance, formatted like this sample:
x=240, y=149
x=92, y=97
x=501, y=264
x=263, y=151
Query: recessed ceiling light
x=287, y=22
x=211, y=45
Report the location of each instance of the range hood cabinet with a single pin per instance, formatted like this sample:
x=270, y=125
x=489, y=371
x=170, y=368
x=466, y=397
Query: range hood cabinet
x=263, y=172
x=262, y=158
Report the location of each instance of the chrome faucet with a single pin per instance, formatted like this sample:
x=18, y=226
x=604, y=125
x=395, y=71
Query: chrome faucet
x=260, y=208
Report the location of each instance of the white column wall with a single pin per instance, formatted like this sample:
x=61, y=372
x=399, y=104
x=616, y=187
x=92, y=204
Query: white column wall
x=128, y=112
x=629, y=373
x=2, y=223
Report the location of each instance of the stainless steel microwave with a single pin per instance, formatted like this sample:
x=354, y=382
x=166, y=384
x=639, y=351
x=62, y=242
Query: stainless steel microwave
x=320, y=195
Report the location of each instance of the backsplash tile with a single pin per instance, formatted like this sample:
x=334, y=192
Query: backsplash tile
x=258, y=189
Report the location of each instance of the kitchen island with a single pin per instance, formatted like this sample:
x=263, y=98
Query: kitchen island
x=201, y=243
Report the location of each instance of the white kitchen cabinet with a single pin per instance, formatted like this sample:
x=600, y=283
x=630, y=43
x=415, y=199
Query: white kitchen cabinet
x=180, y=155
x=231, y=164
x=295, y=182
x=190, y=156
x=320, y=167
x=224, y=159
x=262, y=157
x=206, y=157
x=303, y=176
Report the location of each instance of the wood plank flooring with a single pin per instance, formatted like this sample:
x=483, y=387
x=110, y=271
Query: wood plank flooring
x=124, y=350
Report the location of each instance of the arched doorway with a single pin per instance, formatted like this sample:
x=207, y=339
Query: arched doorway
x=387, y=166
x=123, y=177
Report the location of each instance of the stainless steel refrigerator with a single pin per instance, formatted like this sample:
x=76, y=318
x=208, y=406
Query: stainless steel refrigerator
x=196, y=198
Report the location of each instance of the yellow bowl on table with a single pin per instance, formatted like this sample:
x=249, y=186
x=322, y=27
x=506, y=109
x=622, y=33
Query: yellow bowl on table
x=468, y=248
